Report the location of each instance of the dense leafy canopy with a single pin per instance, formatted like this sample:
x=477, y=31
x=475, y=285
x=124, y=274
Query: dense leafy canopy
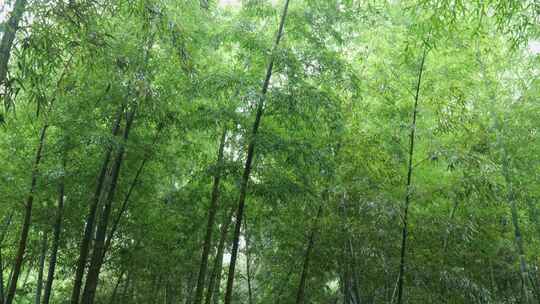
x=392, y=155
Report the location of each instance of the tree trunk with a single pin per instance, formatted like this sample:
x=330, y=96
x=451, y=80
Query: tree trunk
x=56, y=235
x=155, y=288
x=447, y=234
x=8, y=280
x=126, y=288
x=90, y=218
x=115, y=290
x=123, y=209
x=125, y=203
x=6, y=44
x=443, y=298
x=282, y=286
x=533, y=214
x=303, y=276
x=190, y=287
x=212, y=210
x=505, y=160
x=355, y=279
x=1, y=277
x=352, y=290
x=348, y=297
x=523, y=269
x=404, y=231
x=5, y=227
x=41, y=270
x=249, y=159
x=92, y=277
x=170, y=294
x=533, y=218
x=343, y=286
x=248, y=262
x=27, y=220
x=215, y=278
x=351, y=278
x=28, y=271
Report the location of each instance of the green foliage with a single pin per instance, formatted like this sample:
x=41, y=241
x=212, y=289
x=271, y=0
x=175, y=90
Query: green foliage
x=334, y=135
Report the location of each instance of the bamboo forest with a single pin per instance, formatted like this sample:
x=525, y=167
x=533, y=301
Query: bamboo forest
x=269, y=151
